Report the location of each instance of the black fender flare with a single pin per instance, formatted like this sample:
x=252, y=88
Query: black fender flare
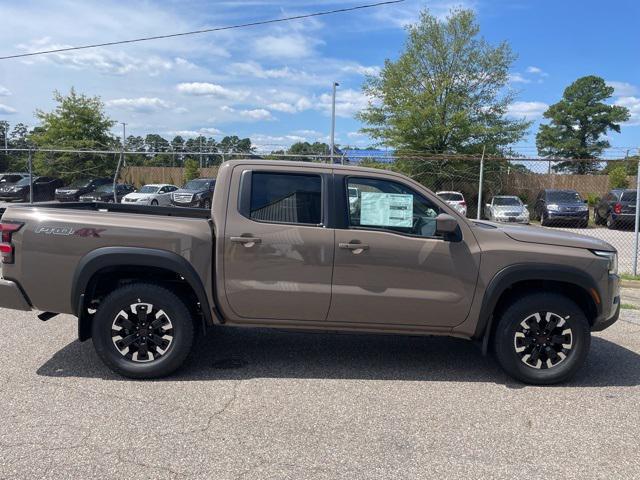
x=518, y=272
x=104, y=257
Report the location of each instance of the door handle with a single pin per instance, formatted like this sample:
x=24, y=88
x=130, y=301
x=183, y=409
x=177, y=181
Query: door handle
x=248, y=242
x=356, y=248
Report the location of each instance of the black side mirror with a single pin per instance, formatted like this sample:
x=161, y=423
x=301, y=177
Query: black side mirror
x=446, y=225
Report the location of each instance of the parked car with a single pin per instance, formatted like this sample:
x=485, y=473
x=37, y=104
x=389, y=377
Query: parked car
x=283, y=247
x=73, y=192
x=195, y=193
x=153, y=194
x=43, y=189
x=456, y=200
x=617, y=209
x=506, y=208
x=8, y=180
x=561, y=206
x=104, y=193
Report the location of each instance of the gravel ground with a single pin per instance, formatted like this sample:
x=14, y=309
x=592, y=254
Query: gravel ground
x=259, y=404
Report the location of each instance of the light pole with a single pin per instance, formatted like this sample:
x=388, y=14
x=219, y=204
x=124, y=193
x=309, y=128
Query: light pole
x=333, y=119
x=115, y=177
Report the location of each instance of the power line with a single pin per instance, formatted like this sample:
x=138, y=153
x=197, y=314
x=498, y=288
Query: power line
x=206, y=30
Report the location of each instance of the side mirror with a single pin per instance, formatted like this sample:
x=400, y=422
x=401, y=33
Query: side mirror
x=446, y=225
x=586, y=201
x=488, y=205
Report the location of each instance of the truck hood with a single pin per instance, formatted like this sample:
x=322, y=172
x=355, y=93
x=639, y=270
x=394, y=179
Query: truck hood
x=548, y=236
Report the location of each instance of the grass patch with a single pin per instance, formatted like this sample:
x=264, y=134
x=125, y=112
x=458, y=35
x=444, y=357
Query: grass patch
x=629, y=306
x=628, y=276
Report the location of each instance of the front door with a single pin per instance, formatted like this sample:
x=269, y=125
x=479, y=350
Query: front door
x=278, y=253
x=390, y=265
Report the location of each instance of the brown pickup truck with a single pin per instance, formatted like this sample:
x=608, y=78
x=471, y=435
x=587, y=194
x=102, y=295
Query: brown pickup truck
x=308, y=246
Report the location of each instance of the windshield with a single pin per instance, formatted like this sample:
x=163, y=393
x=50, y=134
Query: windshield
x=566, y=196
x=456, y=197
x=148, y=189
x=198, y=185
x=628, y=197
x=10, y=178
x=507, y=201
x=105, y=188
x=25, y=181
x=80, y=183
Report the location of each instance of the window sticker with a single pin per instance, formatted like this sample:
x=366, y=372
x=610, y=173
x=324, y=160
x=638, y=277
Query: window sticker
x=386, y=209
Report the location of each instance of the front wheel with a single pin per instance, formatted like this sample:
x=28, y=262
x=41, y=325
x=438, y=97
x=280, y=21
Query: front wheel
x=542, y=339
x=206, y=204
x=154, y=203
x=142, y=331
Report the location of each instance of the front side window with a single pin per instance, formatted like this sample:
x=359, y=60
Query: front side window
x=386, y=205
x=286, y=198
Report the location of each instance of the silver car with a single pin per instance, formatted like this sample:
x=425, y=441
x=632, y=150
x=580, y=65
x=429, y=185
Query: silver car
x=456, y=200
x=506, y=208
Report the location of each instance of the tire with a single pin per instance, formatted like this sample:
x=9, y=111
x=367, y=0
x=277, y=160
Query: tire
x=154, y=203
x=544, y=221
x=172, y=318
x=206, y=204
x=597, y=219
x=611, y=223
x=516, y=339
x=583, y=224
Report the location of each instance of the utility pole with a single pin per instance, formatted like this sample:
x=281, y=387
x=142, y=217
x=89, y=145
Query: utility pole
x=30, y=176
x=478, y=213
x=333, y=119
x=115, y=177
x=635, y=227
x=200, y=140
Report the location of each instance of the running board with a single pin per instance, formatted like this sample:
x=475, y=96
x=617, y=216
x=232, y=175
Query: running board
x=44, y=316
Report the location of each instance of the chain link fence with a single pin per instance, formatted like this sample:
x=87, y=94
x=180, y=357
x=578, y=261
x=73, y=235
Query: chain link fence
x=591, y=197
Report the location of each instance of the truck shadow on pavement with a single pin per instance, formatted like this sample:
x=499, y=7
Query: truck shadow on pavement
x=237, y=354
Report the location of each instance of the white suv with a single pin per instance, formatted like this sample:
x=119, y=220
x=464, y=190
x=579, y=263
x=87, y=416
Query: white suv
x=456, y=200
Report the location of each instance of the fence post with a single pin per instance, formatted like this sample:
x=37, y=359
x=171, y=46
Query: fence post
x=478, y=213
x=30, y=177
x=635, y=228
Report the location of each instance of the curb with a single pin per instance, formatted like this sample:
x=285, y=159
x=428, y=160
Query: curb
x=630, y=284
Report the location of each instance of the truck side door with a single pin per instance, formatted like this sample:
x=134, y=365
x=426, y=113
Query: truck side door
x=278, y=252
x=390, y=265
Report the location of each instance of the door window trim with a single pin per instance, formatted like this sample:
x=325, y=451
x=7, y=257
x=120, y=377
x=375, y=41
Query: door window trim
x=344, y=207
x=244, y=196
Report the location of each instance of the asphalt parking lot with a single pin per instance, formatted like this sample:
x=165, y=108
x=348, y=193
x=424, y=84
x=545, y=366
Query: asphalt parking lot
x=259, y=404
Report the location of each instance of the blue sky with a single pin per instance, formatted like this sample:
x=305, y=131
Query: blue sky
x=273, y=83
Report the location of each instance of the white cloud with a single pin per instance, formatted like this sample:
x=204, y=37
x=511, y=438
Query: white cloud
x=4, y=91
x=518, y=78
x=537, y=71
x=257, y=114
x=287, y=46
x=348, y=102
x=355, y=135
x=623, y=89
x=527, y=110
x=6, y=109
x=140, y=105
x=205, y=131
x=633, y=104
x=361, y=69
x=211, y=90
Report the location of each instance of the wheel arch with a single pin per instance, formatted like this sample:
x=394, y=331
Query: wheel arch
x=520, y=278
x=133, y=262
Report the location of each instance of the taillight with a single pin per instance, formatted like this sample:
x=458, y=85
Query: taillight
x=463, y=203
x=617, y=208
x=6, y=248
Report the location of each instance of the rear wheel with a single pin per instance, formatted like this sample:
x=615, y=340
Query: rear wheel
x=142, y=331
x=611, y=223
x=542, y=339
x=154, y=203
x=206, y=204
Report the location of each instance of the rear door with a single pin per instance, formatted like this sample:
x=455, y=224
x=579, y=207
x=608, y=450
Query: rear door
x=390, y=265
x=278, y=250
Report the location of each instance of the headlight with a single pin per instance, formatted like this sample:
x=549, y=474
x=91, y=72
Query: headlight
x=552, y=207
x=198, y=196
x=584, y=207
x=613, y=260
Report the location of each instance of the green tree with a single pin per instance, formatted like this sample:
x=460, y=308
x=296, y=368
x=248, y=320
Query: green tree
x=618, y=177
x=445, y=93
x=316, y=151
x=191, y=169
x=234, y=145
x=157, y=143
x=578, y=125
x=77, y=122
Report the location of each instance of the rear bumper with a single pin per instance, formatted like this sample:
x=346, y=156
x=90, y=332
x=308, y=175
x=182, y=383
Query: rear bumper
x=11, y=296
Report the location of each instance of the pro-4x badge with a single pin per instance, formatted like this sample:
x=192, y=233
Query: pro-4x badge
x=68, y=231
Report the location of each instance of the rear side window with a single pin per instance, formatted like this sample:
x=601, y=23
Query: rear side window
x=628, y=197
x=386, y=205
x=286, y=198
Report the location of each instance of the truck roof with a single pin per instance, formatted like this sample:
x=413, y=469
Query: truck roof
x=288, y=163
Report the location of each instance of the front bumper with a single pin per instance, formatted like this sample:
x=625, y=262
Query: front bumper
x=610, y=305
x=4, y=197
x=512, y=219
x=67, y=198
x=11, y=296
x=559, y=215
x=191, y=204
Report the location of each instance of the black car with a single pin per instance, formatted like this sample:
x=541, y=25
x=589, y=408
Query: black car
x=561, y=206
x=43, y=189
x=195, y=193
x=104, y=193
x=617, y=209
x=81, y=187
x=8, y=180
